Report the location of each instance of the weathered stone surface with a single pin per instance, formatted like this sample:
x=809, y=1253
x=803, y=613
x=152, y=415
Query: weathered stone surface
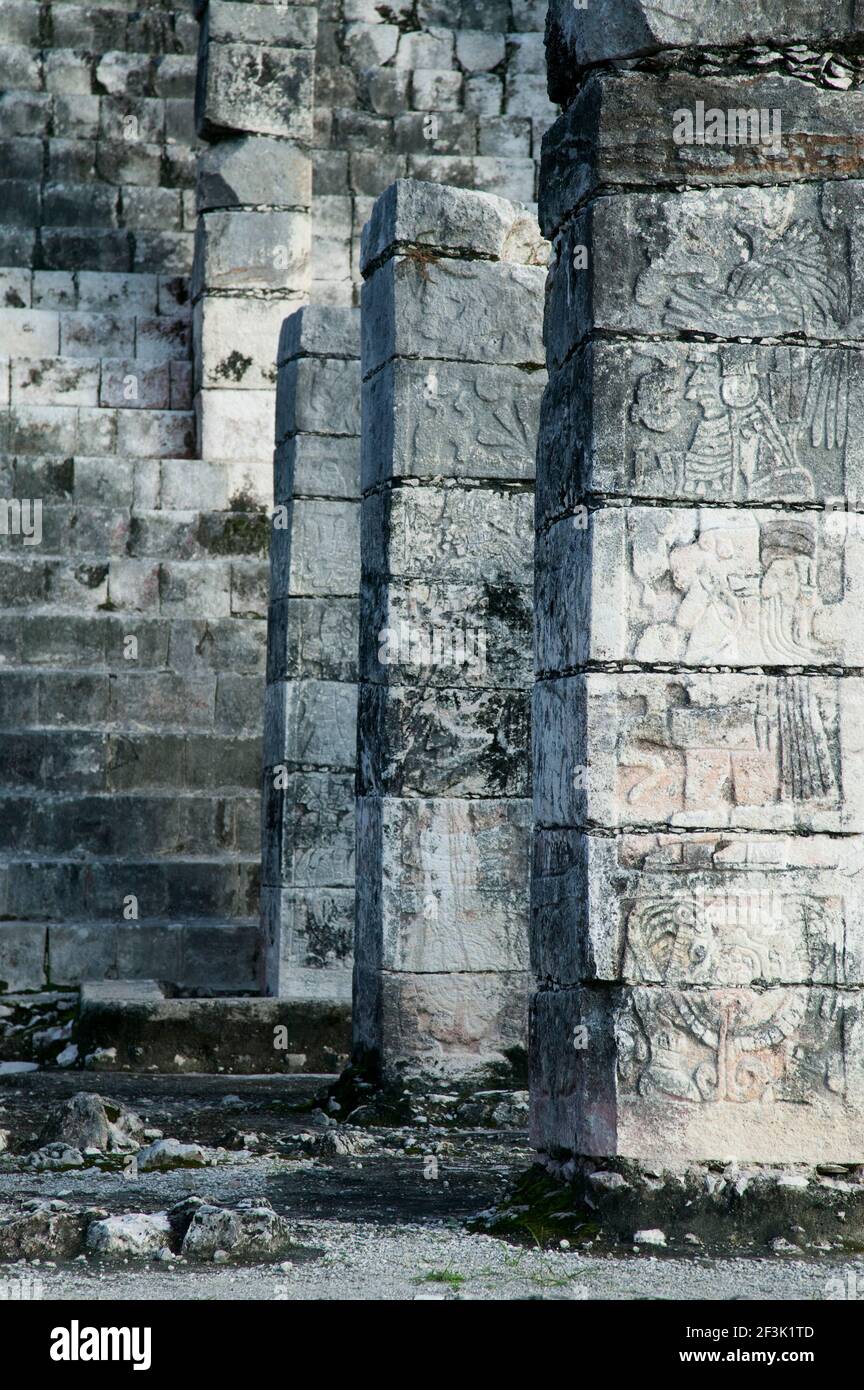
x=593, y=33
x=765, y=753
x=417, y=532
x=235, y=342
x=255, y=88
x=422, y=305
x=452, y=884
x=43, y=1229
x=626, y=129
x=319, y=396
x=437, y=741
x=246, y=251
x=696, y=909
x=455, y=1026
x=254, y=170
x=450, y=419
x=725, y=262
x=671, y=1075
x=135, y=1233
x=730, y=423
x=449, y=220
x=701, y=588
x=251, y=1230
x=87, y=1121
x=311, y=723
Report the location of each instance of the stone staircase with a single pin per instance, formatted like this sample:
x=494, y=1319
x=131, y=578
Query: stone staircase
x=132, y=636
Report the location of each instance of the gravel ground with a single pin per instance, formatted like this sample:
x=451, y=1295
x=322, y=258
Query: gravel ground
x=374, y=1225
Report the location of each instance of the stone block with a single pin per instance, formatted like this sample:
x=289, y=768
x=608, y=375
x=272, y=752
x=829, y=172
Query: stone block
x=311, y=724
x=451, y=309
x=236, y=425
x=236, y=341
x=453, y=879
x=450, y=419
x=479, y=737
x=629, y=129
x=256, y=170
x=594, y=34
x=633, y=585
x=251, y=251
x=765, y=753
x=317, y=466
x=710, y=262
x=673, y=1076
x=427, y=532
x=255, y=88
x=450, y=220
x=729, y=423
x=319, y=396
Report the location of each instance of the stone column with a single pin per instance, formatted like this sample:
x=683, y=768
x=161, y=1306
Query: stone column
x=310, y=733
x=451, y=360
x=252, y=252
x=698, y=944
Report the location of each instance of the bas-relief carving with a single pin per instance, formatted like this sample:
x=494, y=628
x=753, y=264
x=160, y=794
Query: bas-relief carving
x=743, y=426
x=775, y=743
x=747, y=588
x=723, y=1037
x=752, y=268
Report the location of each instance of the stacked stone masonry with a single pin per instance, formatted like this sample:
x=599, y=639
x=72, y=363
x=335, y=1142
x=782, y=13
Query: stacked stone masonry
x=310, y=727
x=452, y=378
x=696, y=937
x=137, y=401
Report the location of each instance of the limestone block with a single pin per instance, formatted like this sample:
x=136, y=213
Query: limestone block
x=256, y=170
x=622, y=128
x=711, y=587
x=480, y=311
x=427, y=532
x=472, y=634
x=246, y=251
x=319, y=395
x=236, y=424
x=318, y=466
x=675, y=1075
x=724, y=262
x=697, y=909
x=453, y=883
x=594, y=33
x=308, y=830
x=313, y=637
x=311, y=724
x=767, y=753
x=255, y=88
x=733, y=424
x=412, y=213
x=321, y=554
x=308, y=936
x=443, y=741
x=450, y=419
x=238, y=21
x=236, y=341
x=319, y=330
x=451, y=1027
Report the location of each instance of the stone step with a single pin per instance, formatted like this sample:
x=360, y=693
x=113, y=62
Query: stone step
x=123, y=1028
x=115, y=824
x=65, y=888
x=93, y=249
x=129, y=383
x=122, y=760
x=123, y=294
x=97, y=431
x=131, y=26
x=205, y=701
x=208, y=954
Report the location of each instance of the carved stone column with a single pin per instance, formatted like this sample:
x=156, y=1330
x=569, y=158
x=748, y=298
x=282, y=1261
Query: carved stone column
x=698, y=942
x=452, y=377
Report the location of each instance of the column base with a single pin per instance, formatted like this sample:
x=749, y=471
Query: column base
x=788, y=1209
